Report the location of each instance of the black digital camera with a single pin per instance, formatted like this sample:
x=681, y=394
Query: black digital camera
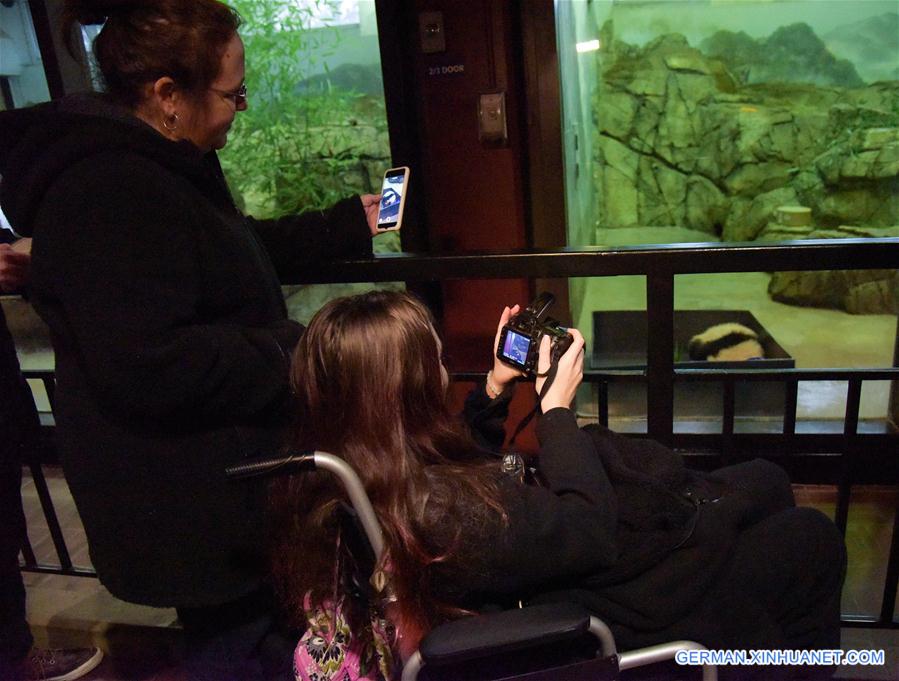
x=519, y=341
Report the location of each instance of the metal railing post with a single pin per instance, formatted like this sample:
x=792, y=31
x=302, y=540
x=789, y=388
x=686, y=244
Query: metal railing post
x=660, y=355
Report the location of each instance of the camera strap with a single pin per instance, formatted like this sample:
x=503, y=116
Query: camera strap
x=550, y=376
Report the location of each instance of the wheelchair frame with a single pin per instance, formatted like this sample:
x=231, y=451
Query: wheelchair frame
x=583, y=622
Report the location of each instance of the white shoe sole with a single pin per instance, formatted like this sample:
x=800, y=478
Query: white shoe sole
x=85, y=668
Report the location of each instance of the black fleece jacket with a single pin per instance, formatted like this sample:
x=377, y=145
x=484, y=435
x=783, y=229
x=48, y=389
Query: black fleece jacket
x=618, y=524
x=171, y=337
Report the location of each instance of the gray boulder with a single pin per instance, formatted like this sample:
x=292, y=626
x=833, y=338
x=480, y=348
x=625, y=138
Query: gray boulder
x=855, y=291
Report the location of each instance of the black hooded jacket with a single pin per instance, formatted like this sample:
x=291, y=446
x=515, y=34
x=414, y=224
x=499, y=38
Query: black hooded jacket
x=619, y=525
x=171, y=338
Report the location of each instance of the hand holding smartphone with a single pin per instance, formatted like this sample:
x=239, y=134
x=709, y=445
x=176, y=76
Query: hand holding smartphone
x=393, y=199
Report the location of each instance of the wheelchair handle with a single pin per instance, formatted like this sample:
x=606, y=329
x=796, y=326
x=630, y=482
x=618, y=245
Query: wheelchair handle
x=278, y=465
x=300, y=462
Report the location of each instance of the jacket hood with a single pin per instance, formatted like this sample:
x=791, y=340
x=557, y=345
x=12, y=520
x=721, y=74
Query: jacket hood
x=40, y=143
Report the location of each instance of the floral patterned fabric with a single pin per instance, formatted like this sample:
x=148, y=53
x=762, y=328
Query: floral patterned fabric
x=328, y=651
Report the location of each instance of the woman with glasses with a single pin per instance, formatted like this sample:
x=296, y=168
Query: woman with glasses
x=164, y=302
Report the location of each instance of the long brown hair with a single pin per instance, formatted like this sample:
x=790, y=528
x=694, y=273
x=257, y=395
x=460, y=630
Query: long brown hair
x=143, y=40
x=369, y=388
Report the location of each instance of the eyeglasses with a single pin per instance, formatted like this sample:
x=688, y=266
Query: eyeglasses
x=238, y=96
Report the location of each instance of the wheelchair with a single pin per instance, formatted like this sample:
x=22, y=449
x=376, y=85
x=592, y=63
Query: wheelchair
x=467, y=648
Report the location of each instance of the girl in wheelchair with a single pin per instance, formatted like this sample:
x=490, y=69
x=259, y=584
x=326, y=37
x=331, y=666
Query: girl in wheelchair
x=616, y=524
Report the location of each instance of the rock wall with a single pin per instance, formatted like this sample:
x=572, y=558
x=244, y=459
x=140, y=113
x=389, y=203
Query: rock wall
x=683, y=141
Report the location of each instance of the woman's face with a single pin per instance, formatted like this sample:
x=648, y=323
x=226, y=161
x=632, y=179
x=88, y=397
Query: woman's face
x=207, y=120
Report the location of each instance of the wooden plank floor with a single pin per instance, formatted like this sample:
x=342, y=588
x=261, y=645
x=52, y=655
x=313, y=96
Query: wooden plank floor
x=143, y=643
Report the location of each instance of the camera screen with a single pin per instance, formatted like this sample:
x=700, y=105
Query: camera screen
x=391, y=195
x=515, y=347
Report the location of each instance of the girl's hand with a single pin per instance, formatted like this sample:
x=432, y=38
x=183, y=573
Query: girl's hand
x=502, y=374
x=569, y=373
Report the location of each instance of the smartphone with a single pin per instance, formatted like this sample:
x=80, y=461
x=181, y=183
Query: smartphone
x=393, y=199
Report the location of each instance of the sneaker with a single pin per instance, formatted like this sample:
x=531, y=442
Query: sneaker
x=60, y=664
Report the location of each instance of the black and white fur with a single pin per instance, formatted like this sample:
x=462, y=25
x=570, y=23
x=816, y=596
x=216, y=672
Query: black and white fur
x=728, y=342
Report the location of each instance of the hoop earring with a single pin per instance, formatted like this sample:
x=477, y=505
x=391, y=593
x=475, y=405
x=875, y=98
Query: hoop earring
x=170, y=123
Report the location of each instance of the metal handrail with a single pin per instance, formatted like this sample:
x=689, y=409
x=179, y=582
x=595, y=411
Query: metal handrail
x=589, y=261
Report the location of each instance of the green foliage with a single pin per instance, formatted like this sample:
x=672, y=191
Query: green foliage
x=274, y=160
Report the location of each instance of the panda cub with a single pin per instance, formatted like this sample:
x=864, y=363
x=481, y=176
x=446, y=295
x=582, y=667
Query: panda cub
x=728, y=342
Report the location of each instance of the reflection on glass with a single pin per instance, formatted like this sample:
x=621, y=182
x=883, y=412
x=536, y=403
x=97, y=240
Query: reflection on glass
x=740, y=120
x=730, y=120
x=315, y=130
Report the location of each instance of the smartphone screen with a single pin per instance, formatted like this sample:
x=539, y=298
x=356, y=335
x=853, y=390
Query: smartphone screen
x=393, y=195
